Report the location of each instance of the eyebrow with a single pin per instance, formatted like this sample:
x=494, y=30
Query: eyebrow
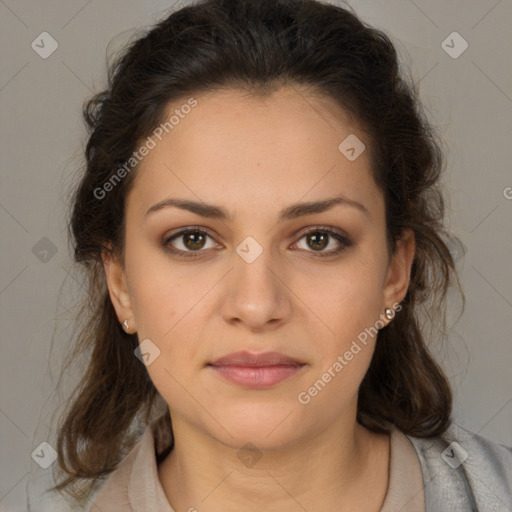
x=293, y=211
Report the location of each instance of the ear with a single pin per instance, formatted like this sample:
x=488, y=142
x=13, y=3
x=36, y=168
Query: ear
x=118, y=289
x=399, y=271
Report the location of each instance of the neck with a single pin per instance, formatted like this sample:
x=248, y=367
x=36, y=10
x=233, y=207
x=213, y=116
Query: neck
x=342, y=468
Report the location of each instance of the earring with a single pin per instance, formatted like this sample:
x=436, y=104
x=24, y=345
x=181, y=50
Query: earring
x=389, y=313
x=126, y=326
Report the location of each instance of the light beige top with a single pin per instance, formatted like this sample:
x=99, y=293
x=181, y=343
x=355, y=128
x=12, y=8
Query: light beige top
x=134, y=485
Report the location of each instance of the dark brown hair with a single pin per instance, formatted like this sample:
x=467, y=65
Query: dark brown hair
x=257, y=46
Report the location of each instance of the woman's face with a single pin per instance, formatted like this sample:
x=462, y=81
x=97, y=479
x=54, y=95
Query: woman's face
x=254, y=279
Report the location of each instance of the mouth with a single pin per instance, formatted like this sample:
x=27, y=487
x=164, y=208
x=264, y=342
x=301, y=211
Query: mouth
x=258, y=371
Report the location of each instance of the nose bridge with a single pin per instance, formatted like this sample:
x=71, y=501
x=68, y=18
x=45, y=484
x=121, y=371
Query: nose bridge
x=256, y=294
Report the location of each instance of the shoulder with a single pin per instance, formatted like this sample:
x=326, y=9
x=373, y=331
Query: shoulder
x=134, y=484
x=115, y=488
x=463, y=471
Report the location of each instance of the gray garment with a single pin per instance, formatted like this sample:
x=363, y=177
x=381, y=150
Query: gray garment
x=471, y=475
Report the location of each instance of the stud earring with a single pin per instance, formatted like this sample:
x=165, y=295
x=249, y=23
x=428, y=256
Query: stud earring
x=389, y=313
x=126, y=326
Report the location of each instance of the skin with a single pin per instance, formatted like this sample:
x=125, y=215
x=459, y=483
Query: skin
x=254, y=157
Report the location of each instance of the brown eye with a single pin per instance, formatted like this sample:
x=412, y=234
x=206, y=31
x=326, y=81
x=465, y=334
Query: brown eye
x=188, y=241
x=317, y=240
x=193, y=241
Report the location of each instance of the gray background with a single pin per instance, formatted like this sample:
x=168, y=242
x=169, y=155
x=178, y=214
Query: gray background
x=468, y=98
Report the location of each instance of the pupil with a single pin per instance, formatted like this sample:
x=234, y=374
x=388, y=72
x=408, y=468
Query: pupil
x=194, y=244
x=316, y=238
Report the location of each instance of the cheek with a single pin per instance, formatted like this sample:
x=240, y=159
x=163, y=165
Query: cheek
x=348, y=300
x=344, y=355
x=161, y=293
x=170, y=318
x=170, y=307
x=349, y=305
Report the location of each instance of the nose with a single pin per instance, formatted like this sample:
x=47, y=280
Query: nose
x=256, y=296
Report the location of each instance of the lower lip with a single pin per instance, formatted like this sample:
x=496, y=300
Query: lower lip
x=257, y=376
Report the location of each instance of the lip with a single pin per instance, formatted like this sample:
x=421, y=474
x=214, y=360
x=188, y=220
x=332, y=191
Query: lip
x=256, y=371
x=245, y=358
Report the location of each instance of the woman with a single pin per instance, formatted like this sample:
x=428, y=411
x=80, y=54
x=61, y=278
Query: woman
x=261, y=221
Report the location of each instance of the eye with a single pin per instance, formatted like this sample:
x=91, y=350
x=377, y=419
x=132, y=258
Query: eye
x=189, y=241
x=319, y=239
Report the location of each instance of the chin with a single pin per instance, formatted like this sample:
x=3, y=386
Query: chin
x=267, y=428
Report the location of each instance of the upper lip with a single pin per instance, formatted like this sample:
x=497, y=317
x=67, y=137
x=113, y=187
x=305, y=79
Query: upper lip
x=245, y=358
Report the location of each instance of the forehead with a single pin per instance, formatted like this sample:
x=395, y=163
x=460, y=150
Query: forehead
x=235, y=148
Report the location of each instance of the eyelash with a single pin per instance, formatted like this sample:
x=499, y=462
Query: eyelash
x=345, y=242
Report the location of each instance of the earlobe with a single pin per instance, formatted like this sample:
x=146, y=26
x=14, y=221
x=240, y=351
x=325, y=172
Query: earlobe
x=117, y=287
